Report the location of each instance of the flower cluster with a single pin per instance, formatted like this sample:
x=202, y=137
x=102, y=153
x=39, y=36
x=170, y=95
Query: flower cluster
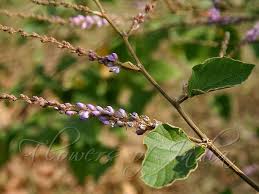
x=252, y=34
x=86, y=22
x=119, y=118
x=214, y=15
x=111, y=61
x=107, y=115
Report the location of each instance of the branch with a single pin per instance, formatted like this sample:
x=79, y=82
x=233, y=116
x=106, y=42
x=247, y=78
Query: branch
x=92, y=56
x=45, y=39
x=67, y=5
x=177, y=106
x=53, y=20
x=222, y=22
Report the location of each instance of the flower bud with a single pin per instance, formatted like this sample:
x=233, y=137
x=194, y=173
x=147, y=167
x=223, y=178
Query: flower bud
x=112, y=57
x=91, y=107
x=96, y=113
x=84, y=115
x=70, y=112
x=80, y=105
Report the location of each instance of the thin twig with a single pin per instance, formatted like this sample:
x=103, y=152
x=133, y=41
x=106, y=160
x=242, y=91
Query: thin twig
x=45, y=39
x=67, y=5
x=235, y=20
x=53, y=20
x=60, y=44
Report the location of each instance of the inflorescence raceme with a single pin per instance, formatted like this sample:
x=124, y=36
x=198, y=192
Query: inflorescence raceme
x=87, y=22
x=107, y=115
x=111, y=61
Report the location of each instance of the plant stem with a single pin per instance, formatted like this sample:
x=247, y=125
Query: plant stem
x=177, y=106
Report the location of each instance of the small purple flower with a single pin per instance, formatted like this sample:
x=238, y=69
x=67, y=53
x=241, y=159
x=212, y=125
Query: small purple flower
x=107, y=112
x=84, y=115
x=253, y=33
x=89, y=20
x=104, y=120
x=110, y=109
x=214, y=14
x=86, y=22
x=96, y=113
x=85, y=25
x=134, y=116
x=112, y=57
x=121, y=113
x=80, y=105
x=70, y=112
x=91, y=107
x=115, y=69
x=99, y=108
x=110, y=61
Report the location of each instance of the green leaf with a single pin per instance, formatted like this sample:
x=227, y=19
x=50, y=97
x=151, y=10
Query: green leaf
x=170, y=156
x=217, y=73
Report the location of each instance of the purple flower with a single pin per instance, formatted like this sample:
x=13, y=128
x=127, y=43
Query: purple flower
x=99, y=108
x=96, y=113
x=112, y=57
x=121, y=113
x=89, y=20
x=252, y=34
x=84, y=115
x=91, y=107
x=80, y=105
x=110, y=109
x=134, y=116
x=104, y=120
x=70, y=112
x=115, y=69
x=86, y=22
x=110, y=61
x=107, y=112
x=214, y=14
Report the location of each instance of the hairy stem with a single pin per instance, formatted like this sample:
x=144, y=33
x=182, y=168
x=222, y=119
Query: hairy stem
x=67, y=5
x=177, y=106
x=53, y=20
